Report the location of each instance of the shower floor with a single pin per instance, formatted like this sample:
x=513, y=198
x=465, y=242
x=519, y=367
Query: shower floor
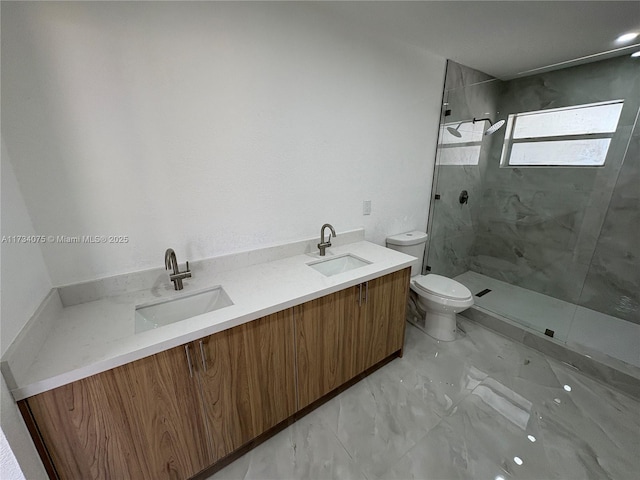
x=571, y=324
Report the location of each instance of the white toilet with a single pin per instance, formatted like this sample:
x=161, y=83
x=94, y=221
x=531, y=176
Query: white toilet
x=434, y=299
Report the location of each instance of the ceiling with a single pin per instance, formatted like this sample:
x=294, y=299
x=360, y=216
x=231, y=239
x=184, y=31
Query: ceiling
x=505, y=39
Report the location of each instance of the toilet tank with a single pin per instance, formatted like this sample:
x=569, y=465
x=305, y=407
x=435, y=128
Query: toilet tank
x=411, y=243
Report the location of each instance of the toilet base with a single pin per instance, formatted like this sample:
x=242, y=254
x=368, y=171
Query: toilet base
x=441, y=326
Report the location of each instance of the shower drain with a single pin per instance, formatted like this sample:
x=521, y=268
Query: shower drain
x=483, y=292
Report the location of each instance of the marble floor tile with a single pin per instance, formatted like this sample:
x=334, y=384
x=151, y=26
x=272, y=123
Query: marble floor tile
x=481, y=407
x=308, y=449
x=497, y=435
x=440, y=373
x=473, y=443
x=606, y=422
x=378, y=420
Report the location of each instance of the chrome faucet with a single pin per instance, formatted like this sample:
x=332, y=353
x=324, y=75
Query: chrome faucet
x=171, y=262
x=323, y=245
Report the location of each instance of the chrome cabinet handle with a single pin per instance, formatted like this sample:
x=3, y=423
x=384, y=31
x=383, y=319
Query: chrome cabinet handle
x=366, y=293
x=186, y=349
x=204, y=358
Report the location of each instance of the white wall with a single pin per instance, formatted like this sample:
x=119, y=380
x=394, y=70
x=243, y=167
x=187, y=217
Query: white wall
x=9, y=467
x=24, y=284
x=210, y=127
x=25, y=280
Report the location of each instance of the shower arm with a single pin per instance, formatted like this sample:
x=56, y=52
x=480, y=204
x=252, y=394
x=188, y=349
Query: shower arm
x=482, y=120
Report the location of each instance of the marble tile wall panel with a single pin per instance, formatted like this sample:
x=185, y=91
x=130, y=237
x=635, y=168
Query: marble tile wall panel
x=473, y=100
x=542, y=269
x=532, y=216
x=449, y=255
x=451, y=236
x=612, y=79
x=459, y=76
x=456, y=217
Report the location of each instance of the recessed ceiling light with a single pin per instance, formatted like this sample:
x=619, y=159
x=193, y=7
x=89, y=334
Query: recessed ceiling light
x=636, y=54
x=627, y=37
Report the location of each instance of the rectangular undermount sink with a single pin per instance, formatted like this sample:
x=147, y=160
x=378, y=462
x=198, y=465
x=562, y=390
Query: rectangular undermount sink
x=340, y=264
x=165, y=312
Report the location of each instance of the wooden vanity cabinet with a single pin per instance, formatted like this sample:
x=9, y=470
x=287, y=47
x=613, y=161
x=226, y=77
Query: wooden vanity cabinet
x=173, y=414
x=343, y=334
x=176, y=413
x=247, y=375
x=328, y=333
x=384, y=311
x=142, y=420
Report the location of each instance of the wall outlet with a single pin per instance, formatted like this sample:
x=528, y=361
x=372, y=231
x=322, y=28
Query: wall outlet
x=366, y=207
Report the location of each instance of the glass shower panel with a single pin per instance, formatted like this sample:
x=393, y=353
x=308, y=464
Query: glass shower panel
x=458, y=168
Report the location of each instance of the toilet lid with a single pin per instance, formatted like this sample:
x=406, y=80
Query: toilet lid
x=442, y=286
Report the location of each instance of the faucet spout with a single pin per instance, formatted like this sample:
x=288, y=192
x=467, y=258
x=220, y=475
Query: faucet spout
x=169, y=255
x=171, y=263
x=323, y=245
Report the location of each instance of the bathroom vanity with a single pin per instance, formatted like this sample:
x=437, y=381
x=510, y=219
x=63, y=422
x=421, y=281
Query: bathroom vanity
x=244, y=372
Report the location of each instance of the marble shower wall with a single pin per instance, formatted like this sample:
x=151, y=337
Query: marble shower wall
x=567, y=232
x=468, y=93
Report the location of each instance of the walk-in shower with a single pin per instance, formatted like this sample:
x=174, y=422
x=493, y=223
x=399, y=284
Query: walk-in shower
x=547, y=235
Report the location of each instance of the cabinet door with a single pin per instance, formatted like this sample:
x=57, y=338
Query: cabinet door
x=141, y=420
x=248, y=383
x=327, y=339
x=386, y=300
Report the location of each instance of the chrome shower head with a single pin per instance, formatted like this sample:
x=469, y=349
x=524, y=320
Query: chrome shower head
x=454, y=131
x=495, y=127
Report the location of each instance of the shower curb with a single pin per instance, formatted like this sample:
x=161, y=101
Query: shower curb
x=611, y=371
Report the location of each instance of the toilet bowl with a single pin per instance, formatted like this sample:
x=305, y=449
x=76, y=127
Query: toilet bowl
x=440, y=298
x=435, y=299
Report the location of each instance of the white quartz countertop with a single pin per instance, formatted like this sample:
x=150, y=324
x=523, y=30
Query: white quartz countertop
x=96, y=336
